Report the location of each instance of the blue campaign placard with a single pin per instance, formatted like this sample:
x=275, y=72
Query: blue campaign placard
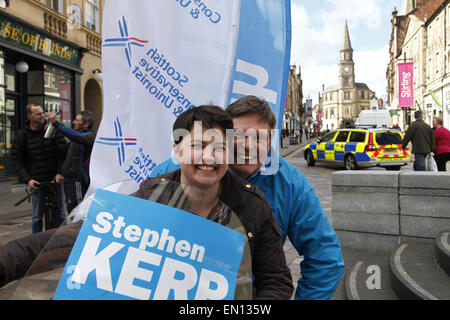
x=130, y=248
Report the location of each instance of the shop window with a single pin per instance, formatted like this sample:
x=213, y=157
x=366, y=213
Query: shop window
x=52, y=89
x=92, y=15
x=57, y=5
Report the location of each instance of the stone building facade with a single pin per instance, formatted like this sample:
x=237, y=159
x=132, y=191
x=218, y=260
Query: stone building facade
x=421, y=35
x=294, y=100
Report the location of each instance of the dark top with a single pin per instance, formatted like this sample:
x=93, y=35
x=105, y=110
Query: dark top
x=37, y=158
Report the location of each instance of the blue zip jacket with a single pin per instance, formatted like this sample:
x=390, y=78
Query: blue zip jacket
x=300, y=216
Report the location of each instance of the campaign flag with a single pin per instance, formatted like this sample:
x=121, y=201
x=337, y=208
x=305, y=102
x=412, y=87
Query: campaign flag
x=406, y=85
x=161, y=58
x=131, y=248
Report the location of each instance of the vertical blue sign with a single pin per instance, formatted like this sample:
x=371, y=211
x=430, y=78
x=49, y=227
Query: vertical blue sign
x=261, y=66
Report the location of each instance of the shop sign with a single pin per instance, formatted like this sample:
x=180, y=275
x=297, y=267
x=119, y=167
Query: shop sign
x=19, y=35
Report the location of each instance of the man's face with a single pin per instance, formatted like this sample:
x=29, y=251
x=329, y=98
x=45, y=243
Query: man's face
x=78, y=123
x=36, y=116
x=250, y=149
x=202, y=155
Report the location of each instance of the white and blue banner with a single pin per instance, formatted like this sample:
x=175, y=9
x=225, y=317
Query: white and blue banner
x=162, y=57
x=130, y=248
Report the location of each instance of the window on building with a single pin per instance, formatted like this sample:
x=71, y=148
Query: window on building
x=347, y=95
x=346, y=81
x=57, y=5
x=52, y=89
x=92, y=15
x=362, y=94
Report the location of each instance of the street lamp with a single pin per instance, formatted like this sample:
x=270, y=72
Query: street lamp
x=22, y=66
x=98, y=75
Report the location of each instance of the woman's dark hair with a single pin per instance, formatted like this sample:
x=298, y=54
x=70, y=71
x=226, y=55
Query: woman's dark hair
x=210, y=116
x=252, y=104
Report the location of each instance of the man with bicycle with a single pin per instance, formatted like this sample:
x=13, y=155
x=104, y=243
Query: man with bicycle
x=39, y=160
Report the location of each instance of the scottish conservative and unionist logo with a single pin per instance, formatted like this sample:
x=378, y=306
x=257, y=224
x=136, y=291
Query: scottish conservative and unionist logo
x=118, y=141
x=125, y=41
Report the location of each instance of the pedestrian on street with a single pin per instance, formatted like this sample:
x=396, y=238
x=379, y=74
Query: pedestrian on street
x=306, y=133
x=38, y=159
x=442, y=142
x=296, y=207
x=421, y=136
x=76, y=166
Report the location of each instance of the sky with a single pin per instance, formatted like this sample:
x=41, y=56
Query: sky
x=317, y=36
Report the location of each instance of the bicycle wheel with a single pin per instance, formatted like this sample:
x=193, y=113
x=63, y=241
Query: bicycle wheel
x=51, y=217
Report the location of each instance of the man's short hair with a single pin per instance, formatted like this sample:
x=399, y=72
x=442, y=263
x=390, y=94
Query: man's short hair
x=418, y=114
x=87, y=116
x=29, y=106
x=252, y=104
x=210, y=116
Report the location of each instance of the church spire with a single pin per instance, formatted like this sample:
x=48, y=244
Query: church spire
x=346, y=65
x=347, y=43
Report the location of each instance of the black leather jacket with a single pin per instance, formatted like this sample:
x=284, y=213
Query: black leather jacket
x=272, y=278
x=37, y=158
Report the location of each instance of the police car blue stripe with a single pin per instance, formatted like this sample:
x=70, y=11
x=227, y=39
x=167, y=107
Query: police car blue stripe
x=350, y=147
x=339, y=155
x=362, y=157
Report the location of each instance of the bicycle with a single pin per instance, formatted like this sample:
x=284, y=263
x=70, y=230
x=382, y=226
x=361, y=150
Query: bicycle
x=50, y=206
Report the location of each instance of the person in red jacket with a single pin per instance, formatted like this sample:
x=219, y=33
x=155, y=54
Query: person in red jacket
x=442, y=142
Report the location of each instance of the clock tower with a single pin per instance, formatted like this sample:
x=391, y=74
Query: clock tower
x=346, y=65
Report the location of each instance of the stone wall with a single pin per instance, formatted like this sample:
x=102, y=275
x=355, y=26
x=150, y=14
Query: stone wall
x=380, y=209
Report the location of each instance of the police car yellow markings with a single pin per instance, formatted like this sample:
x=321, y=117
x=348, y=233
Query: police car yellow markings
x=362, y=151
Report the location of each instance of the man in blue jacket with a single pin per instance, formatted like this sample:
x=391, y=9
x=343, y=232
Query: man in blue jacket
x=295, y=205
x=76, y=166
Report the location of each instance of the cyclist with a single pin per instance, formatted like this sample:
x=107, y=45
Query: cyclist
x=38, y=160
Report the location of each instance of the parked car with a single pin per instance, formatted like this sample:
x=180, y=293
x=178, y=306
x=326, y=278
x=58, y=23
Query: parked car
x=359, y=148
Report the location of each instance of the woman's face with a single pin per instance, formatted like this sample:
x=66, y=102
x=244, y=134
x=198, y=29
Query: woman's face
x=203, y=158
x=435, y=124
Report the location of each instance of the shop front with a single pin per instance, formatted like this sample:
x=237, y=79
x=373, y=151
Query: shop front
x=35, y=67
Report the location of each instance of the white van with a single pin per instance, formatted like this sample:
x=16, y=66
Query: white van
x=374, y=119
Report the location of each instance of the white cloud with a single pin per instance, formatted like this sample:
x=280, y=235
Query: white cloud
x=370, y=68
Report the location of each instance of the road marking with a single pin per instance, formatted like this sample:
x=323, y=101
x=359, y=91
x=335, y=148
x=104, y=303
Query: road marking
x=405, y=275
x=353, y=290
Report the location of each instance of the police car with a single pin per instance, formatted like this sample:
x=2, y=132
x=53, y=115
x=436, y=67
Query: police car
x=359, y=148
